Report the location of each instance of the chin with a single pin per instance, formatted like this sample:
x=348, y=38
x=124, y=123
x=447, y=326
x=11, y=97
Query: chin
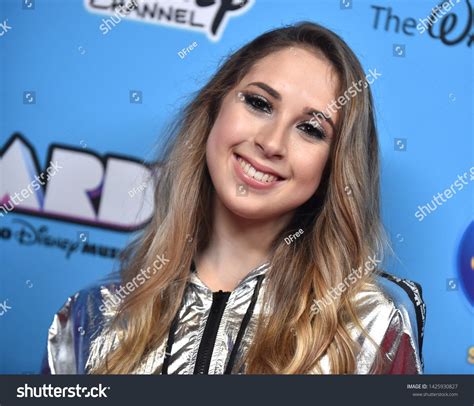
x=243, y=207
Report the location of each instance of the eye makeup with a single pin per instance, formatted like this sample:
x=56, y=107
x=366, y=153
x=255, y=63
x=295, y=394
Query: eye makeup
x=256, y=102
x=260, y=105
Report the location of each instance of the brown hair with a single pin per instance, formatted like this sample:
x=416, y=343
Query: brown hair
x=341, y=222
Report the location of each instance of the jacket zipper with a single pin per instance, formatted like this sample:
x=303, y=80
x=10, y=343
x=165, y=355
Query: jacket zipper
x=208, y=340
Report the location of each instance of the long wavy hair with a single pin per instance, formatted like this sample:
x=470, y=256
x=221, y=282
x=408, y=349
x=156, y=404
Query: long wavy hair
x=341, y=224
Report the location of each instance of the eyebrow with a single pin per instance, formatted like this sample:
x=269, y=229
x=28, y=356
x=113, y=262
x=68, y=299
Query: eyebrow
x=307, y=110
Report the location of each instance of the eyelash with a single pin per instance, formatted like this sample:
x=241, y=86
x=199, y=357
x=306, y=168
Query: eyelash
x=251, y=101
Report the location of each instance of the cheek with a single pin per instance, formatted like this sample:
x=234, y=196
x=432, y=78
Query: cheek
x=308, y=171
x=230, y=129
x=211, y=145
x=216, y=146
x=219, y=145
x=222, y=136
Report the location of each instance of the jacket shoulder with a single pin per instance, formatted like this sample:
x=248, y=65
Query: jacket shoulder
x=407, y=296
x=395, y=311
x=73, y=327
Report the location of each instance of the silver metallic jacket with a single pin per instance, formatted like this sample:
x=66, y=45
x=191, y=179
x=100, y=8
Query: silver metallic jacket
x=213, y=330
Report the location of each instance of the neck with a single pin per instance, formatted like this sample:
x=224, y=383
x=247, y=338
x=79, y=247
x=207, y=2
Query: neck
x=236, y=247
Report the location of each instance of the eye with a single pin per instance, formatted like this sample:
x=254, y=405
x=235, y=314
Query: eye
x=256, y=102
x=313, y=129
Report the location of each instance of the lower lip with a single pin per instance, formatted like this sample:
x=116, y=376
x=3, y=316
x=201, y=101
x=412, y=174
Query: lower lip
x=251, y=181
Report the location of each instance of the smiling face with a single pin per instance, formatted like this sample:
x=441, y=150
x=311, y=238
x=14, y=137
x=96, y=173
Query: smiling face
x=264, y=153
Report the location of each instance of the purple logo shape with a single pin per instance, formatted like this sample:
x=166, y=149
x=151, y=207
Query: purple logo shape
x=466, y=262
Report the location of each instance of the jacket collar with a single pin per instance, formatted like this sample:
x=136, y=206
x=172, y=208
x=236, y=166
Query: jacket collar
x=259, y=270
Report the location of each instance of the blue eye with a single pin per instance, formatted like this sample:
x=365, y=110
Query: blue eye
x=258, y=103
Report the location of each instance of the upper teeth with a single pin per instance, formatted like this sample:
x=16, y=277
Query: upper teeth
x=254, y=173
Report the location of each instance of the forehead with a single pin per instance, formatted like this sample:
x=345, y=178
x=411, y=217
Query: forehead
x=297, y=73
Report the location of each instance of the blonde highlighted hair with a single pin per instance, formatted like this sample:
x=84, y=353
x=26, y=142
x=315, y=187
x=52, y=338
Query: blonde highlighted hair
x=341, y=229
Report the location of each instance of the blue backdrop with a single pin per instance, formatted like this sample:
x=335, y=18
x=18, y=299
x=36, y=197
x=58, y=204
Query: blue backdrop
x=83, y=85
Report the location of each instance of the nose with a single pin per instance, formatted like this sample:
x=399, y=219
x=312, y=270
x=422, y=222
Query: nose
x=272, y=140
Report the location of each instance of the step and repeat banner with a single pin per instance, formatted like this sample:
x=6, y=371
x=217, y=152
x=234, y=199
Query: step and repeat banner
x=94, y=84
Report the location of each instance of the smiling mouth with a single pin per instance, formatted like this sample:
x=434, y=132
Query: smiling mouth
x=254, y=173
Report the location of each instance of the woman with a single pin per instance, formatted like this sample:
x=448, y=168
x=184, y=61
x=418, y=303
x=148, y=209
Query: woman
x=262, y=254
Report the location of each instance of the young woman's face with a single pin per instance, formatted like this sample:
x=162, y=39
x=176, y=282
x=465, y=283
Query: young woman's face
x=264, y=153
